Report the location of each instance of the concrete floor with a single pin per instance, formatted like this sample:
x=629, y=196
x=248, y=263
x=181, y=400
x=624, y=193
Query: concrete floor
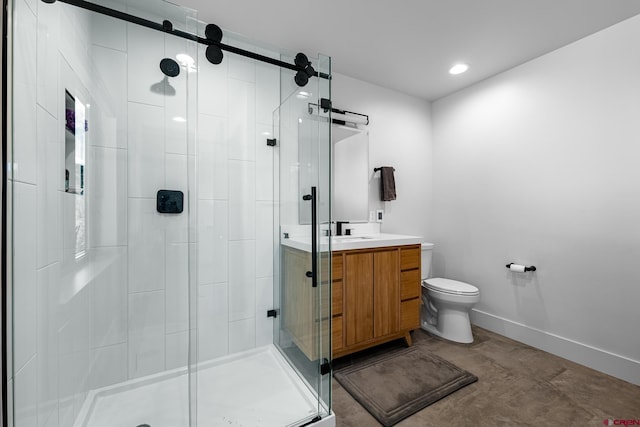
x=517, y=385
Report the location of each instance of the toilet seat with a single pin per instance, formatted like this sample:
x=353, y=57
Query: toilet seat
x=452, y=287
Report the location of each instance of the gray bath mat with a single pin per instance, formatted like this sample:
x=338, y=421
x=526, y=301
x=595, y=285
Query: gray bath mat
x=394, y=386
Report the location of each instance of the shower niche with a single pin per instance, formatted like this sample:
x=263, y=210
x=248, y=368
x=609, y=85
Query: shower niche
x=75, y=129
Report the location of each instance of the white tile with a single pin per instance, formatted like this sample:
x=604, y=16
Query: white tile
x=74, y=373
x=108, y=197
x=177, y=349
x=51, y=421
x=242, y=279
x=145, y=50
x=110, y=297
x=47, y=345
x=24, y=94
x=47, y=71
x=176, y=173
x=109, y=366
x=25, y=396
x=212, y=157
x=241, y=68
x=146, y=150
x=264, y=163
x=50, y=174
x=74, y=49
x=176, y=111
x=242, y=118
x=146, y=333
x=242, y=335
x=106, y=130
x=73, y=226
x=32, y=4
x=75, y=315
x=146, y=246
x=24, y=273
x=212, y=241
x=212, y=79
x=242, y=195
x=213, y=331
x=110, y=77
x=267, y=90
x=109, y=32
x=264, y=302
x=264, y=239
x=177, y=288
x=177, y=225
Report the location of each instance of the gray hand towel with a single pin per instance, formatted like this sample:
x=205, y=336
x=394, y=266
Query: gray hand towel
x=387, y=184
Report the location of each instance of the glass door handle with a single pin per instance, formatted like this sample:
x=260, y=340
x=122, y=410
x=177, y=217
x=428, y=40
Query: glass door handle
x=314, y=237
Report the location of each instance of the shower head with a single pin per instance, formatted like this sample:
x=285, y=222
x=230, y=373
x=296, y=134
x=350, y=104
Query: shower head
x=169, y=67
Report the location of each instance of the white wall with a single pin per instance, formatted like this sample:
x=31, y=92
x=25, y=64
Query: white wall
x=399, y=136
x=539, y=166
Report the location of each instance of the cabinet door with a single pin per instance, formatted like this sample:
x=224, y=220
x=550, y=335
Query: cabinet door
x=358, y=294
x=386, y=293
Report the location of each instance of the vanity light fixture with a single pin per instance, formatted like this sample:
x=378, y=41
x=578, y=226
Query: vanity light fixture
x=458, y=68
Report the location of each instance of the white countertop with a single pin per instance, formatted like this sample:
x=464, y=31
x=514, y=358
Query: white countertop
x=345, y=243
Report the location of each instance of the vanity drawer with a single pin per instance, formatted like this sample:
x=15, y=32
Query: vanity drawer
x=410, y=314
x=410, y=284
x=410, y=257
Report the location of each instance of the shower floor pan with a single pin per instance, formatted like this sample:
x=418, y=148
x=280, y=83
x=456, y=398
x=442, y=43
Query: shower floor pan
x=253, y=388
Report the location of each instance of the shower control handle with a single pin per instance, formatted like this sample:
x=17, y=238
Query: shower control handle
x=309, y=274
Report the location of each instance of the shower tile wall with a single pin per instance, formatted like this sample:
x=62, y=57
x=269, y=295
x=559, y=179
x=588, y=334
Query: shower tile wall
x=236, y=100
x=121, y=311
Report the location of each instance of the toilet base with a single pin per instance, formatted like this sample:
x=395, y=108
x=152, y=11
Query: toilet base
x=452, y=325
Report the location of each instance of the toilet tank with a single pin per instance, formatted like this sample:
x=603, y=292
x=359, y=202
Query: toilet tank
x=426, y=254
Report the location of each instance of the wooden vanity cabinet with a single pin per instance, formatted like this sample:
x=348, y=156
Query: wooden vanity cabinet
x=380, y=291
x=375, y=298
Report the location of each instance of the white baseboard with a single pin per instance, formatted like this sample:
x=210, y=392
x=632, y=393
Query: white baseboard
x=601, y=360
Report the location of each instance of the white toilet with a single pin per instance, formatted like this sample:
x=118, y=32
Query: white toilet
x=446, y=303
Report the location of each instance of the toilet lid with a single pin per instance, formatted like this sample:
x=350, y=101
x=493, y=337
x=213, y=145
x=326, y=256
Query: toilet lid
x=451, y=286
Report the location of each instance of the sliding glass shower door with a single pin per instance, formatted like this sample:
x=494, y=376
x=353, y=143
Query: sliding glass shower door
x=302, y=291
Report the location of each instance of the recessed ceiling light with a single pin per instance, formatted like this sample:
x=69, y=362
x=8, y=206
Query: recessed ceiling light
x=458, y=69
x=179, y=119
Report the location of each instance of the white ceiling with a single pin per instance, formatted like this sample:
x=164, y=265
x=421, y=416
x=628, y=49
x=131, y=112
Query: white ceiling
x=409, y=45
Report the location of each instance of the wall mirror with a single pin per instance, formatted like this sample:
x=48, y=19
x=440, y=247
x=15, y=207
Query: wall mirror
x=349, y=171
x=350, y=195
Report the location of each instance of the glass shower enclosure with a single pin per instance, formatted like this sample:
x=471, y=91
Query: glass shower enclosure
x=152, y=198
